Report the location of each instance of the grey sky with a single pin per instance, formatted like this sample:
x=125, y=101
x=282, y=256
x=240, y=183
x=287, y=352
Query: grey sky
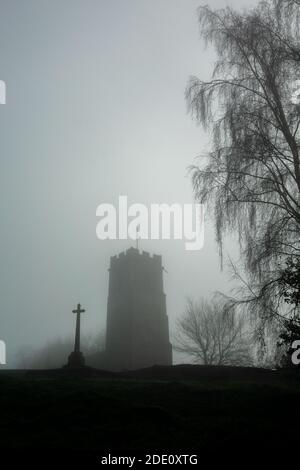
x=95, y=109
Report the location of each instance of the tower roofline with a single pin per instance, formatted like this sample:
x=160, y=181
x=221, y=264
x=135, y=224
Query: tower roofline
x=135, y=252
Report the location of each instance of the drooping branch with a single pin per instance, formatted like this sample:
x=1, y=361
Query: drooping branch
x=251, y=177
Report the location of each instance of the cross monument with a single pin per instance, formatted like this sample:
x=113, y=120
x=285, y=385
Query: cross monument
x=76, y=358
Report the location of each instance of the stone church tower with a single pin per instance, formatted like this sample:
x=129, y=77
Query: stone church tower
x=137, y=333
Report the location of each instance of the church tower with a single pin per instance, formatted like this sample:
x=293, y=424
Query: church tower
x=137, y=333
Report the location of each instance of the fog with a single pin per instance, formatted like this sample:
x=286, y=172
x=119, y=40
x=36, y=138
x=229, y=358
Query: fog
x=95, y=109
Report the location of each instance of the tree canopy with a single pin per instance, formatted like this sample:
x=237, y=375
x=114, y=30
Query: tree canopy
x=211, y=337
x=250, y=178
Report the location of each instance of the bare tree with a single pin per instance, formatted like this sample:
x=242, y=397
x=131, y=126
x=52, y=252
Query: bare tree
x=250, y=178
x=212, y=336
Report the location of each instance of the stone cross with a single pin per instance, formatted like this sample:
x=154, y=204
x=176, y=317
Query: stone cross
x=76, y=358
x=78, y=311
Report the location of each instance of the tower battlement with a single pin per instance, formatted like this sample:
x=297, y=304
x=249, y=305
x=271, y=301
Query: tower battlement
x=135, y=252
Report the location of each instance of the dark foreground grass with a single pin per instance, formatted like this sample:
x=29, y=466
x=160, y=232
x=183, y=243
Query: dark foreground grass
x=143, y=411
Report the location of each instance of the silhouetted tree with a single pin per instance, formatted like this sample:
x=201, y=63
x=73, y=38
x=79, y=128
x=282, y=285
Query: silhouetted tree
x=213, y=336
x=290, y=281
x=251, y=176
x=290, y=291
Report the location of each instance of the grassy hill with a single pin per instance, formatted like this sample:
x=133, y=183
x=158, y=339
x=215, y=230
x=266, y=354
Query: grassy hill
x=159, y=409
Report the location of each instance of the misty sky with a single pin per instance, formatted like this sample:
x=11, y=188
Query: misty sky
x=95, y=109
